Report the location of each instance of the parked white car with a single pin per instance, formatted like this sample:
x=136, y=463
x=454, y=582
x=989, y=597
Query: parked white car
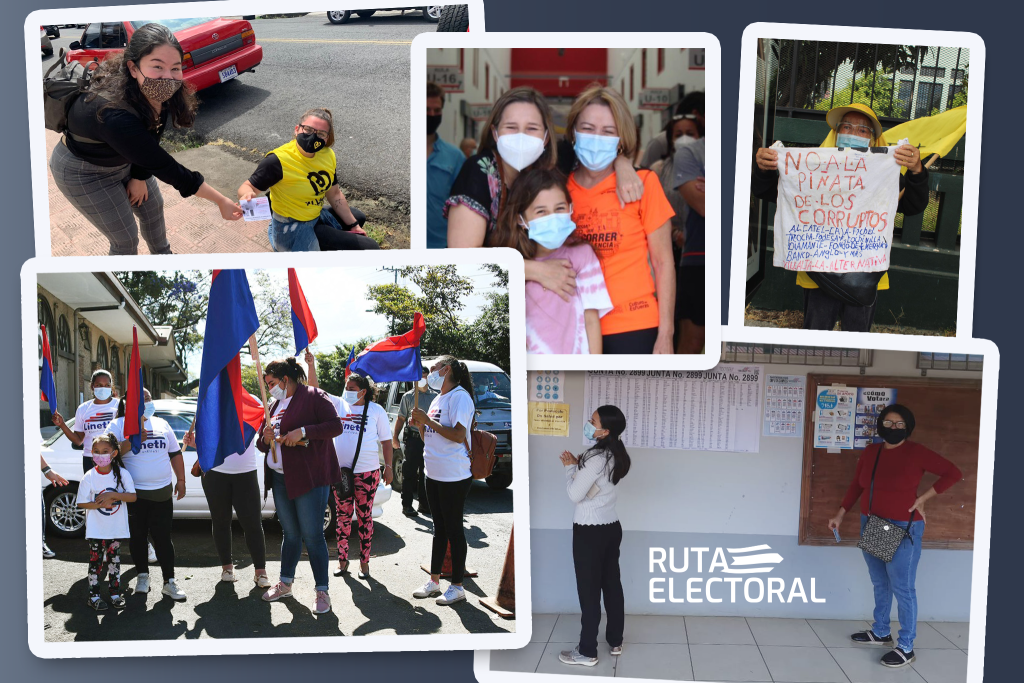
x=65, y=519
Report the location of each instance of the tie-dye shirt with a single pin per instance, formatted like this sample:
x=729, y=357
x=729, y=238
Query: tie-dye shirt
x=554, y=325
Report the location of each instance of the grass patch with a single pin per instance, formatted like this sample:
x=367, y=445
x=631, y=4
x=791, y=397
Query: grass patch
x=175, y=141
x=794, y=320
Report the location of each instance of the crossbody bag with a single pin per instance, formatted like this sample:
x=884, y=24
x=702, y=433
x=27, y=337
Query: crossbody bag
x=882, y=537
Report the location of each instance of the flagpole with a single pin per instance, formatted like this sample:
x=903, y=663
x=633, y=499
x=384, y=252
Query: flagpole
x=254, y=351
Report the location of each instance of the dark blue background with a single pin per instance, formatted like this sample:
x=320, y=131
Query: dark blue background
x=997, y=309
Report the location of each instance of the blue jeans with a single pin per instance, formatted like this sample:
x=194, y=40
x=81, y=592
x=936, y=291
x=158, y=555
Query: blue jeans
x=323, y=233
x=897, y=578
x=302, y=521
x=293, y=235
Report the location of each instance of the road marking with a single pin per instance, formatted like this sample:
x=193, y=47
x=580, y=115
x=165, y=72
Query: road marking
x=308, y=40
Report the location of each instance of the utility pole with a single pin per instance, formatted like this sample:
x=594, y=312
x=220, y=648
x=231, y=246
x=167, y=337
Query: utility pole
x=391, y=319
x=392, y=270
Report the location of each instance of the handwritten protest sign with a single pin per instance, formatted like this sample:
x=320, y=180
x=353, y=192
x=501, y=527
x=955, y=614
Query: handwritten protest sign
x=836, y=208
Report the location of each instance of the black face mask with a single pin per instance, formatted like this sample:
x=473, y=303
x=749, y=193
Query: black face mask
x=892, y=436
x=309, y=142
x=432, y=123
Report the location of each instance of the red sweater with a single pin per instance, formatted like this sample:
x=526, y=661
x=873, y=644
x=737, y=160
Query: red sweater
x=897, y=479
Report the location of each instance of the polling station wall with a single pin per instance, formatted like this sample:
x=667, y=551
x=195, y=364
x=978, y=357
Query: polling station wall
x=681, y=499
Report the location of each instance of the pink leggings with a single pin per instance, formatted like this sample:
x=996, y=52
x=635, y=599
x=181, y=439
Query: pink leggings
x=365, y=490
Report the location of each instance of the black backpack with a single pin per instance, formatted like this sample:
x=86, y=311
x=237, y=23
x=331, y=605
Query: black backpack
x=61, y=90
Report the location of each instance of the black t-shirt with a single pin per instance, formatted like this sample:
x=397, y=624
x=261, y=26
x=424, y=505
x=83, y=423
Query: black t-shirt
x=123, y=138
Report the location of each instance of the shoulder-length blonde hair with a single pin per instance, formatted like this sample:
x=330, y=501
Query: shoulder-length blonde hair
x=325, y=114
x=530, y=96
x=599, y=94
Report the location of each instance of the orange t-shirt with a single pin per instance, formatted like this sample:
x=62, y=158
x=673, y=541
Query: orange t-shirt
x=619, y=238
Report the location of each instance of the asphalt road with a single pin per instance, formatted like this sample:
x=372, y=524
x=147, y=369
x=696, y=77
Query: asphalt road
x=359, y=70
x=381, y=606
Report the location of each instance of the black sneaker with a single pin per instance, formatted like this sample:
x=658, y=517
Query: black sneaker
x=117, y=601
x=408, y=511
x=96, y=603
x=896, y=658
x=869, y=638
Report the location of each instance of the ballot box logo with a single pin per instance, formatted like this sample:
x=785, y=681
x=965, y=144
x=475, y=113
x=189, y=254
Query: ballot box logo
x=724, y=575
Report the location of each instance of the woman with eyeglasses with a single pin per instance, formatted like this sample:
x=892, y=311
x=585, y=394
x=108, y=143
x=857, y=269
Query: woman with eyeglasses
x=889, y=476
x=855, y=125
x=299, y=176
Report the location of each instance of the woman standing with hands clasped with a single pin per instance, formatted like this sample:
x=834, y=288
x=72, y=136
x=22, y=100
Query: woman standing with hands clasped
x=596, y=533
x=891, y=474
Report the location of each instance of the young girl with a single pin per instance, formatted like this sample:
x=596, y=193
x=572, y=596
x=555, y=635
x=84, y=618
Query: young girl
x=537, y=222
x=101, y=492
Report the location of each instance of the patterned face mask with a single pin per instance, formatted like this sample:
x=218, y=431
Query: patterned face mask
x=159, y=89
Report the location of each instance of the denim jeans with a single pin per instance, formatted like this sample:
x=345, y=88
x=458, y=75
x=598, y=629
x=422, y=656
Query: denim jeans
x=323, y=233
x=897, y=578
x=302, y=521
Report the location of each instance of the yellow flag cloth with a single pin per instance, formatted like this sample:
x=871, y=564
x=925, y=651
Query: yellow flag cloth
x=933, y=134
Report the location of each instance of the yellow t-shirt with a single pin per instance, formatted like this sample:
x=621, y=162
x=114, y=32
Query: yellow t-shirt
x=304, y=182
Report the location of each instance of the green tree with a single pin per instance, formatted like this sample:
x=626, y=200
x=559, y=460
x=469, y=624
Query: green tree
x=330, y=365
x=872, y=89
x=489, y=332
x=273, y=310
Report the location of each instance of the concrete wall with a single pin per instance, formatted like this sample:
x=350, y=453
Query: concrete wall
x=477, y=63
x=690, y=499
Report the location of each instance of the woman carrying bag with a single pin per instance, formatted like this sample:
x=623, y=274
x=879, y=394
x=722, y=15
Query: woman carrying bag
x=596, y=533
x=890, y=531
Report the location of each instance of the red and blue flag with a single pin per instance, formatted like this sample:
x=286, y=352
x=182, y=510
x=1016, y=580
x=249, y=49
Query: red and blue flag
x=221, y=414
x=47, y=386
x=133, y=399
x=348, y=365
x=395, y=359
x=303, y=325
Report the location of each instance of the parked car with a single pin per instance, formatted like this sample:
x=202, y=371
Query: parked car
x=45, y=40
x=52, y=31
x=493, y=414
x=216, y=50
x=65, y=519
x=431, y=13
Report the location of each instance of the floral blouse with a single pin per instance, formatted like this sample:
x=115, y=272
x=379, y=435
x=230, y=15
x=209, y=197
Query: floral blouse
x=478, y=188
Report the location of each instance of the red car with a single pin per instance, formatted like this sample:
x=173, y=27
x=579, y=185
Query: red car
x=216, y=50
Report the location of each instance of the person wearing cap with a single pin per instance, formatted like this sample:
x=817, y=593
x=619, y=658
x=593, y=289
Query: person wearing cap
x=855, y=125
x=889, y=475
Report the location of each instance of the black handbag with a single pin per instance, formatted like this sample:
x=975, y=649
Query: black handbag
x=345, y=487
x=853, y=289
x=882, y=537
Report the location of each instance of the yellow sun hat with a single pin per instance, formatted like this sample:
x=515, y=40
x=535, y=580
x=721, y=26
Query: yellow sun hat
x=835, y=117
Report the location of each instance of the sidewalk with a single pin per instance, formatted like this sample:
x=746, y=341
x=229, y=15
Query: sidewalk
x=742, y=649
x=193, y=225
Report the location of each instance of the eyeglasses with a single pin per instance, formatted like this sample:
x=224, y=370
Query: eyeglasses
x=861, y=130
x=897, y=425
x=322, y=134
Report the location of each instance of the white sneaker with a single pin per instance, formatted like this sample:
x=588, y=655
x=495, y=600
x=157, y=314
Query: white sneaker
x=142, y=583
x=429, y=590
x=452, y=595
x=172, y=591
x=152, y=554
x=574, y=657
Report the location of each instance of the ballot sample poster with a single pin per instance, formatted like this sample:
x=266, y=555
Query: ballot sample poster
x=713, y=410
x=836, y=208
x=784, y=405
x=870, y=403
x=834, y=417
x=547, y=386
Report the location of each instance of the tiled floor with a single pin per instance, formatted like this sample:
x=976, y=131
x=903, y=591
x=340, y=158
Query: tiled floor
x=743, y=649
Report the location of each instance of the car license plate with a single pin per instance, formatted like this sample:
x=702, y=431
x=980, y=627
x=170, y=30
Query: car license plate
x=228, y=73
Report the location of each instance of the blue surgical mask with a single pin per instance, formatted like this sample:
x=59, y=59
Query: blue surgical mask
x=596, y=152
x=102, y=393
x=350, y=397
x=148, y=409
x=588, y=431
x=552, y=230
x=847, y=140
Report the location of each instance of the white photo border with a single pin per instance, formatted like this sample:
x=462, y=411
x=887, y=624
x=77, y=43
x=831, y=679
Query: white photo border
x=983, y=504
x=507, y=258
x=713, y=170
x=972, y=160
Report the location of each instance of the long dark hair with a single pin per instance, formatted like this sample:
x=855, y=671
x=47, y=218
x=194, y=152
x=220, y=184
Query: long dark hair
x=289, y=367
x=113, y=82
x=364, y=384
x=115, y=462
x=610, y=445
x=461, y=374
x=507, y=230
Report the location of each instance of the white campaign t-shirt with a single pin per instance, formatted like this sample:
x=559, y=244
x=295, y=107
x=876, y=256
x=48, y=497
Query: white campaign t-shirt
x=92, y=419
x=445, y=460
x=378, y=429
x=150, y=467
x=103, y=523
x=275, y=422
x=240, y=463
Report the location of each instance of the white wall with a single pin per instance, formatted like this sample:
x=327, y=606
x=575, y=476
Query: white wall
x=477, y=63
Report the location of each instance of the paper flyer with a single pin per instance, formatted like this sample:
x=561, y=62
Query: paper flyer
x=834, y=417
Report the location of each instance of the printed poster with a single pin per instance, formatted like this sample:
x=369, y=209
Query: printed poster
x=784, y=405
x=834, y=417
x=548, y=419
x=547, y=386
x=870, y=403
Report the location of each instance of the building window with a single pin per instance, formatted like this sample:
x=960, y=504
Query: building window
x=661, y=59
x=954, y=90
x=631, y=83
x=46, y=318
x=64, y=337
x=115, y=368
x=929, y=96
x=101, y=354
x=643, y=68
x=487, y=82
x=903, y=99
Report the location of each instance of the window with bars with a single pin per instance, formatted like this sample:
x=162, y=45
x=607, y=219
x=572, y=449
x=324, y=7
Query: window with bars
x=950, y=361
x=780, y=354
x=115, y=368
x=101, y=354
x=929, y=97
x=64, y=337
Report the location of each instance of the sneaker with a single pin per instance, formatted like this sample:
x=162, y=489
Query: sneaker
x=896, y=658
x=429, y=590
x=117, y=601
x=172, y=591
x=574, y=657
x=228, y=575
x=407, y=510
x=262, y=581
x=142, y=583
x=96, y=603
x=452, y=595
x=152, y=554
x=281, y=590
x=322, y=603
x=49, y=554
x=616, y=651
x=869, y=638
